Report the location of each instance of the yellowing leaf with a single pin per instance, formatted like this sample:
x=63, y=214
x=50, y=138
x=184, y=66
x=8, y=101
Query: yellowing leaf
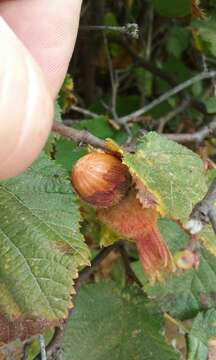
x=41, y=249
x=171, y=172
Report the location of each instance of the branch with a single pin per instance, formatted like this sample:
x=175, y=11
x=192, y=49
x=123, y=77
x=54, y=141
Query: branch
x=139, y=60
x=175, y=90
x=165, y=119
x=81, y=136
x=128, y=270
x=113, y=80
x=85, y=274
x=204, y=212
x=197, y=136
x=84, y=111
x=130, y=29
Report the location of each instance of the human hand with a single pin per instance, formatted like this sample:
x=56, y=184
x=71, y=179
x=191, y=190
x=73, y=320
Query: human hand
x=31, y=72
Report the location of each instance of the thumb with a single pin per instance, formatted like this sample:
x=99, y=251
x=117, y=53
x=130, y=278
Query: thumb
x=26, y=107
x=48, y=29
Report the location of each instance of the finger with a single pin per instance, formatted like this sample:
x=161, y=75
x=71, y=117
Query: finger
x=48, y=29
x=26, y=107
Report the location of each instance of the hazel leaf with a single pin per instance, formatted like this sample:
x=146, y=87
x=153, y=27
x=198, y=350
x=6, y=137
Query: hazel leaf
x=113, y=323
x=199, y=337
x=171, y=172
x=41, y=250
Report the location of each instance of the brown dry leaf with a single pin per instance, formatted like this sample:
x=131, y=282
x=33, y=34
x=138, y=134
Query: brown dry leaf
x=196, y=11
x=23, y=328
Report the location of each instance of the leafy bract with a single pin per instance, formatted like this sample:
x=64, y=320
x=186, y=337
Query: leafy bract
x=110, y=323
x=202, y=330
x=41, y=249
x=171, y=172
x=172, y=8
x=187, y=292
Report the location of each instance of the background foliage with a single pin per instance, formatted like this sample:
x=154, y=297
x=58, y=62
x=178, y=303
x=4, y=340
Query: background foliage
x=47, y=236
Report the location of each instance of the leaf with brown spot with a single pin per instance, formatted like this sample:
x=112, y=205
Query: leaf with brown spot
x=145, y=197
x=41, y=250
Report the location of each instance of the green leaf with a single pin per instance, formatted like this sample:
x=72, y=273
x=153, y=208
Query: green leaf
x=210, y=105
x=203, y=328
x=177, y=40
x=110, y=323
x=172, y=172
x=186, y=293
x=144, y=80
x=125, y=104
x=67, y=153
x=34, y=347
x=177, y=68
x=41, y=249
x=111, y=19
x=210, y=175
x=207, y=33
x=172, y=8
x=98, y=126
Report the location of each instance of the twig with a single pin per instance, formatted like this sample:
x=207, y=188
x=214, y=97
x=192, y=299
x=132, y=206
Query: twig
x=26, y=345
x=81, y=136
x=204, y=212
x=55, y=344
x=128, y=270
x=42, y=347
x=165, y=119
x=113, y=80
x=197, y=136
x=139, y=60
x=175, y=90
x=85, y=274
x=130, y=29
x=84, y=137
x=150, y=32
x=84, y=112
